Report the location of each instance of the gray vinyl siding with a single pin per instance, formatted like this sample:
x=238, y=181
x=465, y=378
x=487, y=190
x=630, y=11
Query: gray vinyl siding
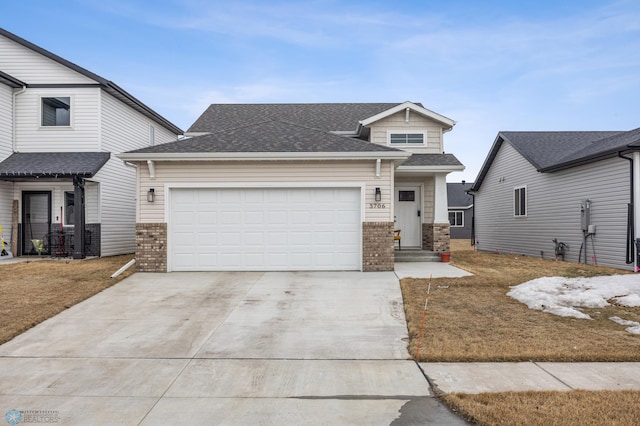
x=459, y=232
x=553, y=209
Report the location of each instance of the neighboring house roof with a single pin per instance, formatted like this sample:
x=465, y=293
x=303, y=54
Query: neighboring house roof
x=108, y=86
x=457, y=195
x=10, y=81
x=553, y=151
x=258, y=139
x=30, y=165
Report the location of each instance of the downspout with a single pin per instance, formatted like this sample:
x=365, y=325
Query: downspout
x=473, y=216
x=14, y=143
x=630, y=215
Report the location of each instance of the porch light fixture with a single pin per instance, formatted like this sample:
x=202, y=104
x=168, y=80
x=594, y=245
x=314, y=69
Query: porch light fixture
x=378, y=195
x=151, y=195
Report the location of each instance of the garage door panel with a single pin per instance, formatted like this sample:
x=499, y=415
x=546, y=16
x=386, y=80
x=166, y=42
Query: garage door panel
x=265, y=229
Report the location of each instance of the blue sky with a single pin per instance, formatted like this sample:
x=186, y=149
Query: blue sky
x=489, y=65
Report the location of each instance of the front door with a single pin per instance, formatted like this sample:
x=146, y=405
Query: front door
x=36, y=221
x=408, y=215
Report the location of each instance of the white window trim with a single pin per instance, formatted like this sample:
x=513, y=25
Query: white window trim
x=461, y=215
x=526, y=201
x=406, y=131
x=71, y=111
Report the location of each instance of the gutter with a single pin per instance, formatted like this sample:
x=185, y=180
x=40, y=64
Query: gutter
x=263, y=156
x=14, y=142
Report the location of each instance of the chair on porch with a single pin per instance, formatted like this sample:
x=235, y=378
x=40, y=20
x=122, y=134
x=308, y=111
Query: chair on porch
x=396, y=237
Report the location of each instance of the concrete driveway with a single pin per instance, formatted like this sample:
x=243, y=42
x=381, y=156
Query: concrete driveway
x=224, y=348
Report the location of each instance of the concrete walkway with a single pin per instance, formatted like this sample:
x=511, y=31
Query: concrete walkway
x=478, y=377
x=225, y=349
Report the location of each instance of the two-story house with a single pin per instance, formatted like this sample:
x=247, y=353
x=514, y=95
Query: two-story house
x=60, y=126
x=295, y=187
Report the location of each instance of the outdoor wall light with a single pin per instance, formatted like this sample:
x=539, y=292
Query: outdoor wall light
x=378, y=195
x=151, y=195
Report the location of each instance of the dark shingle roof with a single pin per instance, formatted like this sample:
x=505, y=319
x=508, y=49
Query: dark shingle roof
x=52, y=164
x=553, y=151
x=432, y=160
x=327, y=116
x=267, y=136
x=544, y=149
x=456, y=195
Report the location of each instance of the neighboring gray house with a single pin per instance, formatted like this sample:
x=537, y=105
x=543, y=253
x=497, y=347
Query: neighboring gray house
x=60, y=126
x=460, y=209
x=575, y=187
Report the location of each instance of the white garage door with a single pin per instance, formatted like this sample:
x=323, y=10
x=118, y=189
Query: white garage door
x=265, y=229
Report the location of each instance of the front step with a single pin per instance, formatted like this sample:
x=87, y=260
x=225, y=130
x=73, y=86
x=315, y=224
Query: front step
x=409, y=255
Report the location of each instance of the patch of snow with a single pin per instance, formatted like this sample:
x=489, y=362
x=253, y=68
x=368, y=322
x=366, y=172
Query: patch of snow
x=565, y=296
x=634, y=326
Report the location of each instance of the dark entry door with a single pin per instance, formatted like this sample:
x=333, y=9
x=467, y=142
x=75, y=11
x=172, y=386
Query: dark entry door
x=36, y=221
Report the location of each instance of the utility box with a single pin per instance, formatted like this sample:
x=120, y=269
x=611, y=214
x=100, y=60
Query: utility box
x=585, y=215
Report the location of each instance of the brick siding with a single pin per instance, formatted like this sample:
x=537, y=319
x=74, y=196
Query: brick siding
x=377, y=246
x=151, y=247
x=436, y=237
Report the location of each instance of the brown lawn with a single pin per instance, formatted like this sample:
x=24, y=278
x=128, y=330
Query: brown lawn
x=472, y=319
x=31, y=292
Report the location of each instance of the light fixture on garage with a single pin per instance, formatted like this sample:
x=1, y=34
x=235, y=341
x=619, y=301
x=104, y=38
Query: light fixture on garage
x=151, y=195
x=378, y=195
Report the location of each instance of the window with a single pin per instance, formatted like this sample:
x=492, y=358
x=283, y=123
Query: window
x=56, y=111
x=456, y=218
x=520, y=201
x=69, y=207
x=406, y=138
x=406, y=195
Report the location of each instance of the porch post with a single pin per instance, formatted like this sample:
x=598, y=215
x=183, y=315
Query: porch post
x=78, y=220
x=440, y=202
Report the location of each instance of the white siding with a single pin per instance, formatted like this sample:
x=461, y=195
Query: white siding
x=553, y=208
x=417, y=123
x=33, y=68
x=6, y=117
x=83, y=133
x=276, y=173
x=122, y=129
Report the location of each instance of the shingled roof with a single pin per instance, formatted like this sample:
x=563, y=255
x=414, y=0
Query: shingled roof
x=322, y=116
x=553, y=151
x=457, y=195
x=34, y=165
x=267, y=136
x=419, y=160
